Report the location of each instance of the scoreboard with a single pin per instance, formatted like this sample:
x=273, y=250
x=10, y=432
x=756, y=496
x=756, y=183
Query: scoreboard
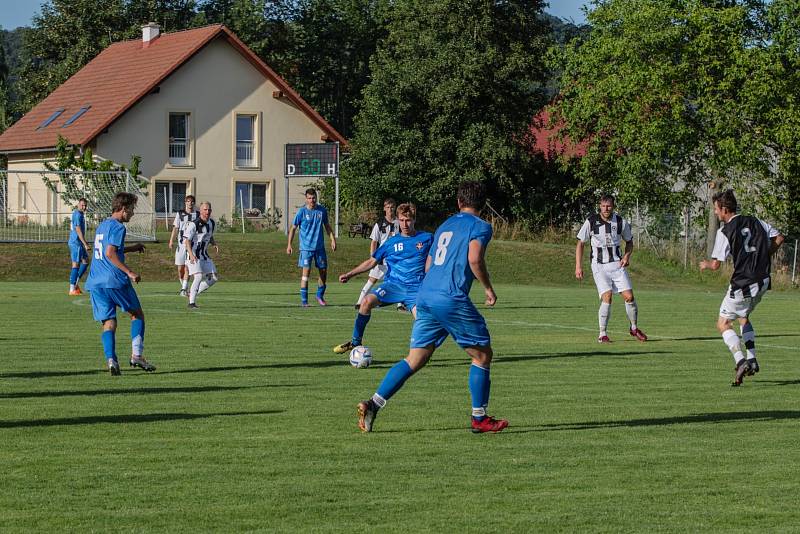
x=312, y=159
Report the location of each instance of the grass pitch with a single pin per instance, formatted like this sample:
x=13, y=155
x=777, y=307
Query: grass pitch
x=249, y=422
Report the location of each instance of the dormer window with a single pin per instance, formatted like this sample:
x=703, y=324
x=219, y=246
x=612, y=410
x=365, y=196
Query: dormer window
x=76, y=116
x=51, y=118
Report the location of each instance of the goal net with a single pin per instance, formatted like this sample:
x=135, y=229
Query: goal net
x=37, y=206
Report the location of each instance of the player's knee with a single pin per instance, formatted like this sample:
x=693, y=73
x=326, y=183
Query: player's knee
x=606, y=297
x=109, y=325
x=723, y=324
x=137, y=314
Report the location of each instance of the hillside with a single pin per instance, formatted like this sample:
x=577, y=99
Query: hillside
x=262, y=257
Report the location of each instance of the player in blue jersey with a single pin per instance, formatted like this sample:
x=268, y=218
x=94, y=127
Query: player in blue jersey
x=78, y=247
x=110, y=284
x=444, y=308
x=311, y=219
x=405, y=256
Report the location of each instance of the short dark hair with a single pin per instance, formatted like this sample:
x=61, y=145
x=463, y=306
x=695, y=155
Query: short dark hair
x=189, y=197
x=389, y=200
x=726, y=199
x=311, y=191
x=123, y=200
x=608, y=198
x=83, y=199
x=472, y=195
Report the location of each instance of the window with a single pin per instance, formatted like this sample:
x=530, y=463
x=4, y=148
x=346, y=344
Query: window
x=179, y=139
x=251, y=197
x=51, y=118
x=169, y=197
x=78, y=114
x=246, y=141
x=22, y=201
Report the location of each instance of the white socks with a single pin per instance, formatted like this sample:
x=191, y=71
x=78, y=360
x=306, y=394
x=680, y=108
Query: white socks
x=184, y=284
x=364, y=290
x=633, y=312
x=732, y=340
x=604, y=315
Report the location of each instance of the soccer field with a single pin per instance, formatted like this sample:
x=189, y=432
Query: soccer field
x=249, y=422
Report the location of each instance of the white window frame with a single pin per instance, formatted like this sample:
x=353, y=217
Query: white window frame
x=250, y=183
x=255, y=163
x=188, y=160
x=22, y=196
x=158, y=188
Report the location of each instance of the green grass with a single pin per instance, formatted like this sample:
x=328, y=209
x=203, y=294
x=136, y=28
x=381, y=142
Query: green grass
x=249, y=422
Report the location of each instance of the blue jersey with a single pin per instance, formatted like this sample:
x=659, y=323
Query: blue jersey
x=311, y=223
x=405, y=257
x=103, y=273
x=78, y=221
x=450, y=276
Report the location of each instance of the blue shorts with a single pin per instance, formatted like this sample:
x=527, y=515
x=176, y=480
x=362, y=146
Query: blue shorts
x=105, y=301
x=319, y=257
x=458, y=319
x=77, y=253
x=389, y=293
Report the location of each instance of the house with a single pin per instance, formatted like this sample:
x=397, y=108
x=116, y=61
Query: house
x=207, y=116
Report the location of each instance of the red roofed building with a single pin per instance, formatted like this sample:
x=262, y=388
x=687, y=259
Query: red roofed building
x=546, y=139
x=206, y=115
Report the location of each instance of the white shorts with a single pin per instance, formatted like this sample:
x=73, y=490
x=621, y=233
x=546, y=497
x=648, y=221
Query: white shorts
x=180, y=255
x=733, y=308
x=201, y=267
x=610, y=277
x=378, y=272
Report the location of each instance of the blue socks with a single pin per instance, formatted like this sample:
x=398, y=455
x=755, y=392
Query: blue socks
x=73, y=276
x=137, y=337
x=321, y=291
x=109, y=348
x=304, y=295
x=394, y=379
x=358, y=328
x=82, y=270
x=479, y=384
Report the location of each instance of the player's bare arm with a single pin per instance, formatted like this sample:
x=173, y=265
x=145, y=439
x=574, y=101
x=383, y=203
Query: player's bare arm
x=213, y=243
x=172, y=237
x=363, y=267
x=626, y=258
x=190, y=253
x=477, y=263
x=428, y=263
x=777, y=241
x=292, y=230
x=333, y=237
x=579, y=260
x=111, y=255
x=79, y=233
x=138, y=247
x=710, y=264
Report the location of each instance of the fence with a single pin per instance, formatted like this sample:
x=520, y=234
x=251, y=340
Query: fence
x=36, y=206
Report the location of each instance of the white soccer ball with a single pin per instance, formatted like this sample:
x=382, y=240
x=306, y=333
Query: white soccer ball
x=360, y=357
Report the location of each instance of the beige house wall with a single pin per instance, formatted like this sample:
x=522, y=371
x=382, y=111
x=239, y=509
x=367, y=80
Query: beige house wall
x=33, y=201
x=213, y=87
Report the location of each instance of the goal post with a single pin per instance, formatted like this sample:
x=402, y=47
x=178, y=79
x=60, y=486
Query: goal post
x=36, y=205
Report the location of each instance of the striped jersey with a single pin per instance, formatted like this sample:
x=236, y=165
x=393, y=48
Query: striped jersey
x=200, y=233
x=383, y=230
x=182, y=218
x=747, y=240
x=605, y=237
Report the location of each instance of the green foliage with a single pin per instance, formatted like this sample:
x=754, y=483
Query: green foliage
x=670, y=96
x=454, y=86
x=75, y=182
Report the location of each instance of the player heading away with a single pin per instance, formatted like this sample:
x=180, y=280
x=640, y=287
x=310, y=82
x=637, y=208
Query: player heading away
x=198, y=235
x=311, y=218
x=444, y=308
x=605, y=231
x=405, y=256
x=751, y=243
x=109, y=284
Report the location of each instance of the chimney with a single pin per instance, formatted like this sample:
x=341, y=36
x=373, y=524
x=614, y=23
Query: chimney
x=150, y=33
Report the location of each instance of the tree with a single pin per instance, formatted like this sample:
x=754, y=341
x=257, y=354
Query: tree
x=454, y=87
x=664, y=95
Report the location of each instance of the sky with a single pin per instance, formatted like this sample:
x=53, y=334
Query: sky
x=14, y=13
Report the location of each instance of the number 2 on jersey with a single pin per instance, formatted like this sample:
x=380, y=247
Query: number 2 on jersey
x=746, y=234
x=98, y=246
x=441, y=248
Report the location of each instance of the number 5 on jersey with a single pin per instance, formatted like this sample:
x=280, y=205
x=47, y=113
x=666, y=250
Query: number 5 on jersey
x=441, y=248
x=98, y=246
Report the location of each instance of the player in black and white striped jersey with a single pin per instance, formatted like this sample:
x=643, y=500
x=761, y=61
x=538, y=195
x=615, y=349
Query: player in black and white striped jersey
x=605, y=231
x=182, y=218
x=751, y=243
x=198, y=235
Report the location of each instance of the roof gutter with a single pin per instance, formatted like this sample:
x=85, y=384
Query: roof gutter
x=29, y=150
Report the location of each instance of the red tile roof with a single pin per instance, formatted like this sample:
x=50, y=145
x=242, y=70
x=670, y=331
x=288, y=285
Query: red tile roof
x=118, y=78
x=546, y=139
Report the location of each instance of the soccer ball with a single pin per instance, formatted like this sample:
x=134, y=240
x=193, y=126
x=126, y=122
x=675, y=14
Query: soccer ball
x=360, y=357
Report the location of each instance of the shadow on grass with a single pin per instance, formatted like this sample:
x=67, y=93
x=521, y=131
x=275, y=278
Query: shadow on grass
x=128, y=418
x=500, y=359
x=135, y=391
x=780, y=382
x=728, y=417
x=284, y=365
x=719, y=338
x=51, y=374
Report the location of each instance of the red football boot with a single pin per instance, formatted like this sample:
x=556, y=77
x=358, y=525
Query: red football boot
x=489, y=424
